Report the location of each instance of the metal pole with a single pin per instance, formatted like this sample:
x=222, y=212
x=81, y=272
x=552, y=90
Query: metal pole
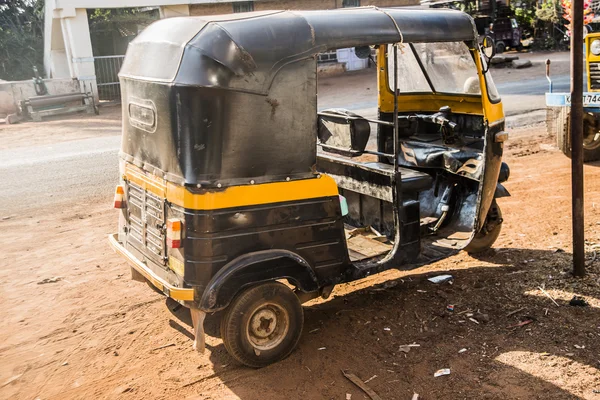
x=576, y=126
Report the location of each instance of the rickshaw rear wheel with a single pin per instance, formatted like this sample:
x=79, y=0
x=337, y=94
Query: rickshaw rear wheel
x=262, y=325
x=485, y=238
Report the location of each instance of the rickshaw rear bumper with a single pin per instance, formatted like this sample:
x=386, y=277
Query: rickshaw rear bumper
x=176, y=293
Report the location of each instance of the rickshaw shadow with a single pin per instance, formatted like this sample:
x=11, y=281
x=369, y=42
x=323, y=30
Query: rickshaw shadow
x=358, y=319
x=334, y=325
x=593, y=163
x=182, y=321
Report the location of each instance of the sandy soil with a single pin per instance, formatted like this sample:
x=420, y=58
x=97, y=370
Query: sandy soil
x=93, y=333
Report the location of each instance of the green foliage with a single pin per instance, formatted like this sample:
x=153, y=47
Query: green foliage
x=551, y=11
x=102, y=19
x=21, y=38
x=525, y=14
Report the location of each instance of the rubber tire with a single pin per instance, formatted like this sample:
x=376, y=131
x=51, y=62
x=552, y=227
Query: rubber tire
x=235, y=321
x=484, y=241
x=500, y=47
x=563, y=134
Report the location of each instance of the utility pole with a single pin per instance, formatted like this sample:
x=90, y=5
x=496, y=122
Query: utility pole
x=576, y=126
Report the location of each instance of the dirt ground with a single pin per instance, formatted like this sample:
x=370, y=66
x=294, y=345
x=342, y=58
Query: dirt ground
x=94, y=333
x=75, y=326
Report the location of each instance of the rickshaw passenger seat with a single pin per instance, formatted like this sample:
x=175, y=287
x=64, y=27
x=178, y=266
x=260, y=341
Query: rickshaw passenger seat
x=349, y=173
x=412, y=180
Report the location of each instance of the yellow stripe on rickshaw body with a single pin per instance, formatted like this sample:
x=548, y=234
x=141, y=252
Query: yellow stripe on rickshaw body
x=234, y=196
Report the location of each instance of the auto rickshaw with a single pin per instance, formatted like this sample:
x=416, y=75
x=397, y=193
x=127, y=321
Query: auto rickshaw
x=237, y=195
x=558, y=110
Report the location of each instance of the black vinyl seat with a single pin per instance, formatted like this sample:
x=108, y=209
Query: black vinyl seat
x=412, y=180
x=372, y=178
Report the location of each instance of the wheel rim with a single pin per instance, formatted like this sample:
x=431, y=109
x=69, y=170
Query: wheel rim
x=267, y=327
x=591, y=139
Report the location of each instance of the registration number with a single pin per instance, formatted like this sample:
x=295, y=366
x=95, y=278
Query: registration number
x=588, y=99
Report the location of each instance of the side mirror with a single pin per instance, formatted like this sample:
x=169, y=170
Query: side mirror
x=362, y=52
x=489, y=48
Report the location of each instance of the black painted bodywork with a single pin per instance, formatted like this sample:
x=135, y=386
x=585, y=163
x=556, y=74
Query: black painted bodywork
x=212, y=102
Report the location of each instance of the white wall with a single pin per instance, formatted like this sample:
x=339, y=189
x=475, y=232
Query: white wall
x=11, y=93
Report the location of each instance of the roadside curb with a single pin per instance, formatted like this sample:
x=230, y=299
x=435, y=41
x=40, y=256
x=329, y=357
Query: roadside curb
x=531, y=117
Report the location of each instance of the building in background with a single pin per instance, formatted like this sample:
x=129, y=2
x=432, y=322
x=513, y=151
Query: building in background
x=69, y=52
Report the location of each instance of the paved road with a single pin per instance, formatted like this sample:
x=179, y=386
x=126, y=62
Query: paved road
x=61, y=174
x=87, y=170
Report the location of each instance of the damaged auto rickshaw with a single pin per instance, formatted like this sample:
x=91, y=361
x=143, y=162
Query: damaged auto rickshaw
x=237, y=195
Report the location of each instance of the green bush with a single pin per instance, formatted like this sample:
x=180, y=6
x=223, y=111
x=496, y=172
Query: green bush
x=21, y=38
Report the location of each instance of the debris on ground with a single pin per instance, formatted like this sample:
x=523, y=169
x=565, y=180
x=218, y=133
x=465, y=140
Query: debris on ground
x=322, y=348
x=164, y=346
x=462, y=350
x=440, y=278
x=415, y=396
x=348, y=396
x=521, y=64
x=406, y=347
x=441, y=372
x=450, y=307
x=548, y=296
x=579, y=347
x=520, y=324
x=515, y=311
x=354, y=379
x=50, y=280
x=481, y=317
x=370, y=379
x=577, y=301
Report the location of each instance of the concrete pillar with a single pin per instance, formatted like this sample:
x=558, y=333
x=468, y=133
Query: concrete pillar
x=179, y=10
x=68, y=46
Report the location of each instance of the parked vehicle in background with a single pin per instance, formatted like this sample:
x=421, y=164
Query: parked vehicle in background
x=558, y=109
x=505, y=31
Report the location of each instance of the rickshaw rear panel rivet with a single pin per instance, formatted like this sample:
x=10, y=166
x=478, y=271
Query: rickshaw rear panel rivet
x=287, y=178
x=218, y=185
x=198, y=186
x=252, y=181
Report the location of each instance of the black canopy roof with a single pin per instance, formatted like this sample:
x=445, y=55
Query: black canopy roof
x=207, y=51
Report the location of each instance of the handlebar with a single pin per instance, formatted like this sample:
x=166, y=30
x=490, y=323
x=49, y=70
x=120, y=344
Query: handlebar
x=437, y=118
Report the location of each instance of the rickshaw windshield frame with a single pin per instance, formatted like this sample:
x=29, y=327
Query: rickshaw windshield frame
x=421, y=74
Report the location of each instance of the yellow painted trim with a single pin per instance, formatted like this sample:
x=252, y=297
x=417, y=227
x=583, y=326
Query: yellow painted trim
x=474, y=105
x=234, y=196
x=589, y=57
x=149, y=182
x=162, y=285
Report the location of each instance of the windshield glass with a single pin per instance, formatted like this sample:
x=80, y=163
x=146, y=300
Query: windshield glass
x=444, y=67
